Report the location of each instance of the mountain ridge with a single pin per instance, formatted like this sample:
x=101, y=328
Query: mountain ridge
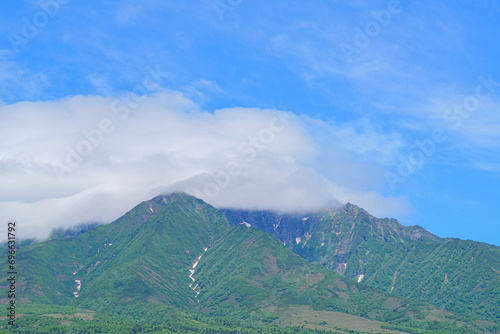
x=384, y=254
x=177, y=252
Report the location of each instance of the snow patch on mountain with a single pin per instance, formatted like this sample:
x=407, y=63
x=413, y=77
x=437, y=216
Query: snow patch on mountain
x=277, y=225
x=192, y=270
x=78, y=287
x=394, y=280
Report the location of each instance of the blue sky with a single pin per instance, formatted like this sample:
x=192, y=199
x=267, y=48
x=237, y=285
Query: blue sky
x=391, y=105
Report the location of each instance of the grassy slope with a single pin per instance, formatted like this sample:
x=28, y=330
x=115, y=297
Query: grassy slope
x=146, y=252
x=137, y=268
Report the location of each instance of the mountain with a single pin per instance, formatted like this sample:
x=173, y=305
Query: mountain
x=462, y=276
x=142, y=256
x=175, y=263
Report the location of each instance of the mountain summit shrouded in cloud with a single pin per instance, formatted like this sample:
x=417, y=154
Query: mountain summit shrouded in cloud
x=390, y=104
x=177, y=257
x=88, y=159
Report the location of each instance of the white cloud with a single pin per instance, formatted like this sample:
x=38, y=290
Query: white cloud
x=470, y=124
x=481, y=127
x=236, y=157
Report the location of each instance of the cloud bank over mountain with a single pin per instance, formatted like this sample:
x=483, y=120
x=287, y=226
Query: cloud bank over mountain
x=91, y=158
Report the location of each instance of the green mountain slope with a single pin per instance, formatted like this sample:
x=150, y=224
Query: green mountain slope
x=461, y=276
x=249, y=274
x=143, y=255
x=176, y=257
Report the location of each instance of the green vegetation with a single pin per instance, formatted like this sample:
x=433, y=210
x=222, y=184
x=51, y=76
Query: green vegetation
x=461, y=276
x=138, y=275
x=68, y=320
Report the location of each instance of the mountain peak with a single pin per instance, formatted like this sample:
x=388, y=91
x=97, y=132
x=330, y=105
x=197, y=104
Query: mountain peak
x=175, y=250
x=174, y=197
x=181, y=199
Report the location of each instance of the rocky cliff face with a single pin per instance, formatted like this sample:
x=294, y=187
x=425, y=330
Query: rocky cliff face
x=405, y=260
x=331, y=236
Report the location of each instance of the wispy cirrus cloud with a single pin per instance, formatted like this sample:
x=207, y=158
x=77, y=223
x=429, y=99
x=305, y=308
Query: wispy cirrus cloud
x=18, y=81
